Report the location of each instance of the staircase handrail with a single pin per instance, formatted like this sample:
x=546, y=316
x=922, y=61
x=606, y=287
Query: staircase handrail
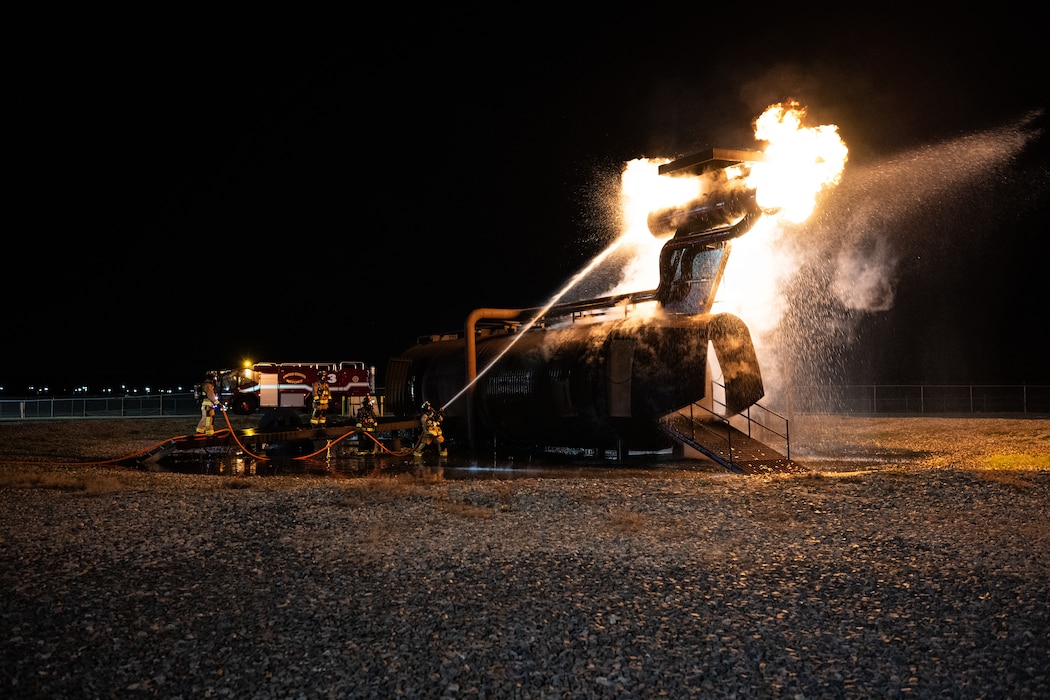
x=765, y=422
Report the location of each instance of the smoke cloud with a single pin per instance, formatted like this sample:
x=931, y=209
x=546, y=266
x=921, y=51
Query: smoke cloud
x=863, y=280
x=806, y=290
x=899, y=220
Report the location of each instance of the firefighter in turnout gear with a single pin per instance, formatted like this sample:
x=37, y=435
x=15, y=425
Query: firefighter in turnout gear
x=322, y=395
x=209, y=399
x=366, y=423
x=430, y=422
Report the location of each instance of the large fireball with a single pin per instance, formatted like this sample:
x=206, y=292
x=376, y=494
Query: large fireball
x=800, y=162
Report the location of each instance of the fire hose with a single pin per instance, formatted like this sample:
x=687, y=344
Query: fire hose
x=328, y=446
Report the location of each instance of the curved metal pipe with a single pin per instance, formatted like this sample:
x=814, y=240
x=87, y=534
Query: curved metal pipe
x=471, y=352
x=469, y=330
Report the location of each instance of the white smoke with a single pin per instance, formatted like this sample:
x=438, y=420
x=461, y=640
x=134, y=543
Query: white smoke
x=865, y=280
x=902, y=214
x=802, y=289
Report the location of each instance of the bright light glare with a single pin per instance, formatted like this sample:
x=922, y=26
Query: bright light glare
x=800, y=162
x=643, y=190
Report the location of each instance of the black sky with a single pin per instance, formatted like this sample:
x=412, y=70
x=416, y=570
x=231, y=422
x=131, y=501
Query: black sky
x=187, y=195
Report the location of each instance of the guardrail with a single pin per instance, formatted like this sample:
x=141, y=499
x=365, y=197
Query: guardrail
x=919, y=399
x=859, y=399
x=767, y=422
x=147, y=405
x=697, y=424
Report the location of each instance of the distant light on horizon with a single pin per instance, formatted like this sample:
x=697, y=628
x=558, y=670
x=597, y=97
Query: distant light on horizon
x=79, y=390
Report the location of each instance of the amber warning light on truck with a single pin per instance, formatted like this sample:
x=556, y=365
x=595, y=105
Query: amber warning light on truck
x=273, y=385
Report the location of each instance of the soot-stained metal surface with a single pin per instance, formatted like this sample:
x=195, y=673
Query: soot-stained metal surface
x=560, y=376
x=588, y=385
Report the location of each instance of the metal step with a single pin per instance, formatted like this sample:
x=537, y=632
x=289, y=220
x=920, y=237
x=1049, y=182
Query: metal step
x=733, y=449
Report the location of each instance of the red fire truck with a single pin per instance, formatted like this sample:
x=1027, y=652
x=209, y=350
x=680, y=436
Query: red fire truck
x=289, y=385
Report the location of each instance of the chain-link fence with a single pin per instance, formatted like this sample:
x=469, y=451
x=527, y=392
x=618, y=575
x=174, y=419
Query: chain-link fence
x=869, y=399
x=148, y=405
x=920, y=399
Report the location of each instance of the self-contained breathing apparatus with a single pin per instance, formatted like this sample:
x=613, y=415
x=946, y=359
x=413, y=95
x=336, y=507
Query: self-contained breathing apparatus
x=322, y=395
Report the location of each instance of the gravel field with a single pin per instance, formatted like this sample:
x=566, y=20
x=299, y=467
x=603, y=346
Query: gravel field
x=911, y=560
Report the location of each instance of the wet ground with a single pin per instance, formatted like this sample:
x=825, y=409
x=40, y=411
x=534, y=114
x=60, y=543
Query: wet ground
x=223, y=461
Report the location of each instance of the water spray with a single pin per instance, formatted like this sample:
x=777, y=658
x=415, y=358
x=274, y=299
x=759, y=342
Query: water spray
x=703, y=213
x=612, y=383
x=540, y=314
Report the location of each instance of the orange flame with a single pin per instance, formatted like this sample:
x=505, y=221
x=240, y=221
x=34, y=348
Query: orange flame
x=800, y=161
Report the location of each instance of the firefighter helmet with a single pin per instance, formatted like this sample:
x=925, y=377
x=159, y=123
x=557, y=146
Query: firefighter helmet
x=426, y=406
x=321, y=375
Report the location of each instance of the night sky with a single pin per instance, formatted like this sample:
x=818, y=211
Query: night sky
x=190, y=195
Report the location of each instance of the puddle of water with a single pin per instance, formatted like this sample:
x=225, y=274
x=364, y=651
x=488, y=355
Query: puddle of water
x=220, y=462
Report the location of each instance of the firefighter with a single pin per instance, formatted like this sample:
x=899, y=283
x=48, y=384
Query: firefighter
x=430, y=422
x=366, y=423
x=322, y=395
x=209, y=402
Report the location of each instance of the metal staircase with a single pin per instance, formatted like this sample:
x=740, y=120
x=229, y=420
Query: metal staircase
x=738, y=449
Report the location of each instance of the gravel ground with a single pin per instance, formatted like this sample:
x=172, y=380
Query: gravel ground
x=912, y=560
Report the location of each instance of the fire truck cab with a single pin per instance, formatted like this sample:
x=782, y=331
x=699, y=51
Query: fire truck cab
x=289, y=385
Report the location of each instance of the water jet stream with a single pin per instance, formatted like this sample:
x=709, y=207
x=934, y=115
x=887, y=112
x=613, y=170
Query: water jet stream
x=580, y=276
